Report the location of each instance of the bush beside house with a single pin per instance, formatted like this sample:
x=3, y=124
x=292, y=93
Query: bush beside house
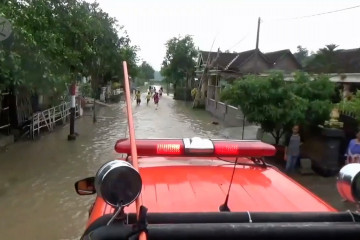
x=277, y=105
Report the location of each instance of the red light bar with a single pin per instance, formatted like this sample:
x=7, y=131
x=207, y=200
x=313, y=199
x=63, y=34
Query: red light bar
x=243, y=148
x=176, y=147
x=168, y=148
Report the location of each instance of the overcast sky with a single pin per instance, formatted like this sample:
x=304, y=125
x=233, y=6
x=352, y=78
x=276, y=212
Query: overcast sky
x=151, y=23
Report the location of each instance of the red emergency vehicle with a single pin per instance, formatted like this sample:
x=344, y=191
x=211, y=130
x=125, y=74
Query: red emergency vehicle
x=195, y=188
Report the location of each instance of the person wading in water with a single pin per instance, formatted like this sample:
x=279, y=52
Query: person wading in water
x=148, y=97
x=138, y=98
x=156, y=99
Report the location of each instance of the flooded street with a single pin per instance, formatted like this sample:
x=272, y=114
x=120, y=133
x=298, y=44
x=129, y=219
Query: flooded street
x=37, y=197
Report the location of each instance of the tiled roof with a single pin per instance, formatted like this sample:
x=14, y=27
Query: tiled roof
x=223, y=60
x=274, y=56
x=233, y=61
x=348, y=61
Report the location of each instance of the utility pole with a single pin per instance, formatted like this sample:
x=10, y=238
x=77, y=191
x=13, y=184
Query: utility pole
x=257, y=46
x=72, y=135
x=94, y=111
x=258, y=32
x=243, y=127
x=96, y=91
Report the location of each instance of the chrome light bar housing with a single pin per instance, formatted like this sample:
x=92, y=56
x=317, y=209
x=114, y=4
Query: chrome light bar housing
x=348, y=182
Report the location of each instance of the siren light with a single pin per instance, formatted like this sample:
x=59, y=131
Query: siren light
x=197, y=147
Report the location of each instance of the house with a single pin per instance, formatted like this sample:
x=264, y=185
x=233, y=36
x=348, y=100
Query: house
x=220, y=68
x=344, y=65
x=283, y=60
x=348, y=61
x=249, y=62
x=216, y=69
x=235, y=63
x=348, y=65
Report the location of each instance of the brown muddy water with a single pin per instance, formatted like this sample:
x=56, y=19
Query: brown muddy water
x=37, y=197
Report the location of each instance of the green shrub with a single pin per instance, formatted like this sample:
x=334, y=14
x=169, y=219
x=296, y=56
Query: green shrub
x=351, y=107
x=182, y=94
x=115, y=85
x=277, y=105
x=86, y=90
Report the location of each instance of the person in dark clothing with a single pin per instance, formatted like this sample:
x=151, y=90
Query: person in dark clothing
x=292, y=149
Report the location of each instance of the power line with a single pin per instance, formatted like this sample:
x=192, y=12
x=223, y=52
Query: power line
x=318, y=14
x=242, y=39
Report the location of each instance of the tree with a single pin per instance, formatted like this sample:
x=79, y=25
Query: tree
x=276, y=105
x=319, y=92
x=324, y=61
x=179, y=62
x=267, y=101
x=146, y=72
x=301, y=55
x=55, y=42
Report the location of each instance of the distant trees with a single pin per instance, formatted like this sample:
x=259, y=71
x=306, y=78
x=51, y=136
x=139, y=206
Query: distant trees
x=179, y=62
x=145, y=73
x=301, y=55
x=57, y=41
x=324, y=61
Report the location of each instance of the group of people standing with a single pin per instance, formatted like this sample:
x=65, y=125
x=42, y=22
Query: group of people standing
x=294, y=141
x=152, y=93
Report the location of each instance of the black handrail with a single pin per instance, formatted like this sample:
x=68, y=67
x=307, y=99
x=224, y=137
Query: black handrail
x=244, y=217
x=227, y=231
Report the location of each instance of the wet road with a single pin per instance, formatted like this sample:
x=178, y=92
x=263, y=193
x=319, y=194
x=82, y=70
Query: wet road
x=37, y=197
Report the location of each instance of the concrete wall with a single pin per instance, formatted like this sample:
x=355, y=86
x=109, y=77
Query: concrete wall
x=211, y=92
x=231, y=115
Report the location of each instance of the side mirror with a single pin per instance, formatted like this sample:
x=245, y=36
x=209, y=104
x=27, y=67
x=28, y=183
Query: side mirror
x=85, y=186
x=348, y=182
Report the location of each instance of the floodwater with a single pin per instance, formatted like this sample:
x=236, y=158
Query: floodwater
x=37, y=197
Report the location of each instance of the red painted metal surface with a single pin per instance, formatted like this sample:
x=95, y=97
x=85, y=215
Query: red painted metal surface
x=138, y=201
x=99, y=209
x=200, y=185
x=222, y=148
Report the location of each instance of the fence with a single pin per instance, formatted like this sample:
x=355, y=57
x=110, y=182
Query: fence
x=50, y=117
x=231, y=115
x=4, y=112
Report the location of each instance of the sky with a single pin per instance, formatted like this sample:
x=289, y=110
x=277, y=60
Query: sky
x=232, y=24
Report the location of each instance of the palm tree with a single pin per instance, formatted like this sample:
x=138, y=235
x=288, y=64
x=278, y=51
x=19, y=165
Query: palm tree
x=324, y=61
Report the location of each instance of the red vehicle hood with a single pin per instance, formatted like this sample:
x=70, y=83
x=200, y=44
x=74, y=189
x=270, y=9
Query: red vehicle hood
x=191, y=186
